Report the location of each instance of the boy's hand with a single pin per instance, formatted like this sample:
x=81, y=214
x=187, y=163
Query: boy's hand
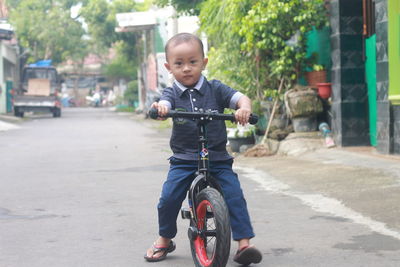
x=242, y=115
x=243, y=111
x=162, y=110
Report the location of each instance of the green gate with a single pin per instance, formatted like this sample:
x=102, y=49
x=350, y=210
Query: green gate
x=370, y=69
x=9, y=87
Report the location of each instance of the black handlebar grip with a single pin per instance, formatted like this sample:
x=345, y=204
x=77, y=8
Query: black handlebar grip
x=153, y=113
x=253, y=119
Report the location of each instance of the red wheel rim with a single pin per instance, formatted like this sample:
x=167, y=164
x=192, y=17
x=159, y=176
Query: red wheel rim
x=199, y=242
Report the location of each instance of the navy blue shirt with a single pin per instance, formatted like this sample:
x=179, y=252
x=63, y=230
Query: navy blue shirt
x=208, y=96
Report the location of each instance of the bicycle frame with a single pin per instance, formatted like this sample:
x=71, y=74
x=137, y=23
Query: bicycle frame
x=209, y=231
x=203, y=178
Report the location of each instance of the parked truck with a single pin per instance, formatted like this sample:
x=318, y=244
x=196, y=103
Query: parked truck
x=38, y=91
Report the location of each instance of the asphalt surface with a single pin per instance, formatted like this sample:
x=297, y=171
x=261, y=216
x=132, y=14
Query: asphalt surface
x=81, y=190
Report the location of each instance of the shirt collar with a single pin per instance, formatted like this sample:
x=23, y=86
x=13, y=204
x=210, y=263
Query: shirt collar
x=198, y=85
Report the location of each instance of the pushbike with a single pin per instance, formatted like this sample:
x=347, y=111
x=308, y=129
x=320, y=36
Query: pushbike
x=209, y=229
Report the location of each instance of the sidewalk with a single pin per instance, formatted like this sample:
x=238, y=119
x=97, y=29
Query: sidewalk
x=355, y=183
x=8, y=122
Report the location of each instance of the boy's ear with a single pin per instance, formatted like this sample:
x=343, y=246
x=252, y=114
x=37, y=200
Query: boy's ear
x=167, y=66
x=205, y=61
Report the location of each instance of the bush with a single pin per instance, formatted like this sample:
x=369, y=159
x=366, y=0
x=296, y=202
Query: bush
x=131, y=95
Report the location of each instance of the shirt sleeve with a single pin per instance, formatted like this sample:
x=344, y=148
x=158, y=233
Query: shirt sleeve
x=227, y=96
x=235, y=98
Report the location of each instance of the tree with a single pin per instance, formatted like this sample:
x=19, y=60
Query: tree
x=189, y=7
x=100, y=17
x=121, y=66
x=256, y=43
x=221, y=21
x=47, y=29
x=275, y=31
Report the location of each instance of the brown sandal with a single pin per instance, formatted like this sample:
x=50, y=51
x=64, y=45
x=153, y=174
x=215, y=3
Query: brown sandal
x=165, y=249
x=248, y=255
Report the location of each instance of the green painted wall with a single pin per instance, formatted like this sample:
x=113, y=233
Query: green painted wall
x=9, y=87
x=319, y=42
x=394, y=50
x=370, y=71
x=3, y=103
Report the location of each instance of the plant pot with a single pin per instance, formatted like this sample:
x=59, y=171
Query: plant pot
x=303, y=103
x=237, y=142
x=280, y=120
x=314, y=77
x=305, y=124
x=324, y=90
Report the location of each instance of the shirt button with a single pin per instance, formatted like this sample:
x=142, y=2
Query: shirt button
x=191, y=90
x=194, y=99
x=195, y=108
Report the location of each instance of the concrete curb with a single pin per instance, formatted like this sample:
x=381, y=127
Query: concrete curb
x=5, y=126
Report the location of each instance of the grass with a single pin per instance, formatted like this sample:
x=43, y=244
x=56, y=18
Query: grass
x=161, y=125
x=123, y=108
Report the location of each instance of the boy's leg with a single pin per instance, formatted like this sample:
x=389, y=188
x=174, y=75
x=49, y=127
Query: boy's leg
x=233, y=195
x=180, y=175
x=242, y=230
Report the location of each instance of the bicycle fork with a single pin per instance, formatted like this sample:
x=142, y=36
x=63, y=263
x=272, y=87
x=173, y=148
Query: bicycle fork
x=200, y=182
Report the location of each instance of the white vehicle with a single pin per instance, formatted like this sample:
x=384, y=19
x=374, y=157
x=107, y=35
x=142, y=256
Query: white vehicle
x=38, y=92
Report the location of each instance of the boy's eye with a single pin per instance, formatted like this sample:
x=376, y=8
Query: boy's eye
x=178, y=63
x=193, y=61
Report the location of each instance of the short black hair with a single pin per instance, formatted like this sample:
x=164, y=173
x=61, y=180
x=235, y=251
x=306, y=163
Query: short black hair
x=183, y=38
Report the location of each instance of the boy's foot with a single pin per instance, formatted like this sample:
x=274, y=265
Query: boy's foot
x=248, y=255
x=159, y=252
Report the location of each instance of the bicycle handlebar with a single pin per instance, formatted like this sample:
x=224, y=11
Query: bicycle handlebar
x=153, y=113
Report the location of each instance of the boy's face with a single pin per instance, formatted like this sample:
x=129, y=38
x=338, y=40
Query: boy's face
x=186, y=62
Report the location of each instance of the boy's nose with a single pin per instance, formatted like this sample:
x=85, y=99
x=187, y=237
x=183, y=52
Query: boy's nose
x=186, y=68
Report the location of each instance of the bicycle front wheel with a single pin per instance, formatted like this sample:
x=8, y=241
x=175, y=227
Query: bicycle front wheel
x=211, y=245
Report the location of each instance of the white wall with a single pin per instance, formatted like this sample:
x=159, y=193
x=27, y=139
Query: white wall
x=8, y=53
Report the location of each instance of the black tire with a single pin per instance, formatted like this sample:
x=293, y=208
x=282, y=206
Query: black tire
x=56, y=112
x=18, y=113
x=212, y=248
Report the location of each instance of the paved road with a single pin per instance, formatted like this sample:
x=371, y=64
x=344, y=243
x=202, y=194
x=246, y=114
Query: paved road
x=81, y=190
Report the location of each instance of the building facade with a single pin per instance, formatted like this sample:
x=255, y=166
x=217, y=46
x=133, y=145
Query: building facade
x=365, y=73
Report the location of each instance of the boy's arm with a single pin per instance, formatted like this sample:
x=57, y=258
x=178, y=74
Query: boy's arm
x=243, y=111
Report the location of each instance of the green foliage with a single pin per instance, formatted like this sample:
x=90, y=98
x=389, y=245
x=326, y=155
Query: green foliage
x=122, y=108
x=240, y=131
x=188, y=7
x=268, y=27
x=221, y=21
x=100, y=16
x=47, y=29
x=256, y=43
x=121, y=66
x=131, y=94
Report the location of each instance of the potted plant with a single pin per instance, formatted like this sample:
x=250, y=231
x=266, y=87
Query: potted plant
x=317, y=75
x=240, y=135
x=303, y=105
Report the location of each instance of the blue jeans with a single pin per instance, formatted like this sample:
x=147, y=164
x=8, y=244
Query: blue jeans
x=174, y=191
